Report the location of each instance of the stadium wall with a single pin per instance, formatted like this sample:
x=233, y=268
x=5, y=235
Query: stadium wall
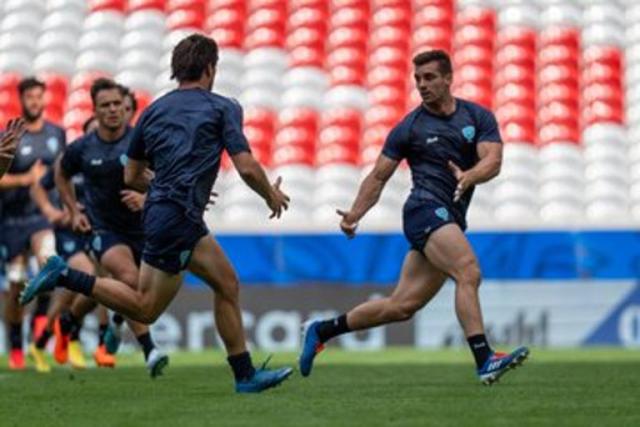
x=554, y=288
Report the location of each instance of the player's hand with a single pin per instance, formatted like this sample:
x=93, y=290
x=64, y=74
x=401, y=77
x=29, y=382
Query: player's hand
x=464, y=178
x=133, y=200
x=57, y=217
x=212, y=200
x=80, y=223
x=278, y=201
x=348, y=224
x=36, y=172
x=9, y=141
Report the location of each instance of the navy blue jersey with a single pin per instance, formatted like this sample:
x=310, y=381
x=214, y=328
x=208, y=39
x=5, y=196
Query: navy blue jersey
x=182, y=136
x=102, y=166
x=48, y=183
x=429, y=142
x=45, y=146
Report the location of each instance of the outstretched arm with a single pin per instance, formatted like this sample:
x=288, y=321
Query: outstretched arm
x=368, y=194
x=487, y=168
x=79, y=221
x=137, y=175
x=254, y=176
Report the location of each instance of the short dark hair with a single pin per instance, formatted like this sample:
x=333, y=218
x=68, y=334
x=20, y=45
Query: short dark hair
x=103, y=84
x=444, y=61
x=29, y=83
x=86, y=123
x=126, y=92
x=191, y=57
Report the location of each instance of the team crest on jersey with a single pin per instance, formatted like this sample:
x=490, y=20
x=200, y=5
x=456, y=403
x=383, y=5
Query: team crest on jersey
x=69, y=246
x=53, y=144
x=469, y=132
x=26, y=150
x=124, y=160
x=97, y=243
x=442, y=213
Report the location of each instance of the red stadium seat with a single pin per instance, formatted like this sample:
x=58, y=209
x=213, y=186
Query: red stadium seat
x=80, y=99
x=348, y=37
x=197, y=6
x=388, y=94
x=299, y=117
x=473, y=15
x=473, y=55
x=514, y=54
x=144, y=99
x=308, y=17
x=344, y=75
x=346, y=56
x=342, y=116
x=481, y=94
x=521, y=36
x=9, y=80
x=557, y=54
x=350, y=18
x=337, y=154
x=84, y=80
x=514, y=112
x=316, y=4
x=385, y=74
x=293, y=154
x=472, y=74
x=399, y=17
x=272, y=18
x=387, y=115
x=433, y=16
x=96, y=5
x=264, y=37
x=610, y=94
x=226, y=18
x=601, y=73
x=557, y=111
x=474, y=35
x=514, y=73
x=185, y=18
x=346, y=136
x=135, y=5
x=562, y=73
x=295, y=135
x=560, y=36
x=557, y=133
x=390, y=57
x=513, y=92
x=517, y=132
x=607, y=55
x=74, y=133
x=213, y=5
x=602, y=112
x=390, y=36
x=55, y=83
x=306, y=36
x=560, y=92
x=426, y=38
x=267, y=4
x=228, y=38
x=76, y=117
x=306, y=57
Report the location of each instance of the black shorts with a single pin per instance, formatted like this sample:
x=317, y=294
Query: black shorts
x=17, y=234
x=102, y=241
x=170, y=236
x=69, y=243
x=422, y=217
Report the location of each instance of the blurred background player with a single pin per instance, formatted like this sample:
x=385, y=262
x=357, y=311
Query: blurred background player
x=114, y=212
x=26, y=230
x=75, y=249
x=183, y=135
x=451, y=145
x=130, y=105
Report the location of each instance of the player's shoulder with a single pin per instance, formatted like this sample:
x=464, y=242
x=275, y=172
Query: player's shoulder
x=479, y=111
x=52, y=128
x=408, y=119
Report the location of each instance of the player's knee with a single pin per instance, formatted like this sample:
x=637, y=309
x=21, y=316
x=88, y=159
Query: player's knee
x=469, y=273
x=229, y=287
x=402, y=310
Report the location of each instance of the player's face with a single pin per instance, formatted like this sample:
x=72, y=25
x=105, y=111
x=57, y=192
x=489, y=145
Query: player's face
x=431, y=83
x=32, y=103
x=109, y=109
x=128, y=109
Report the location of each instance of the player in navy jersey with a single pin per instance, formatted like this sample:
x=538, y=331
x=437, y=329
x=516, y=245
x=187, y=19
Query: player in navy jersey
x=26, y=231
x=182, y=136
x=451, y=145
x=113, y=211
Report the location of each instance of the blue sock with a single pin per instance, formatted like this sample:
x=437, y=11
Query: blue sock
x=77, y=281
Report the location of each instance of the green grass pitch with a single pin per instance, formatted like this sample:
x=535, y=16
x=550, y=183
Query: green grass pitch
x=396, y=387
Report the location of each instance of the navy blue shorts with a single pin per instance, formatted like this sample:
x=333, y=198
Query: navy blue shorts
x=102, y=241
x=17, y=234
x=170, y=236
x=423, y=217
x=69, y=243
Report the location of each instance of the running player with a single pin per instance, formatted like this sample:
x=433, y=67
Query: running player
x=183, y=135
x=26, y=231
x=114, y=212
x=451, y=145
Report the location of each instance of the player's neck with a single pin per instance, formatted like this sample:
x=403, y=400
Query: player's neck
x=34, y=126
x=444, y=107
x=108, y=135
x=193, y=85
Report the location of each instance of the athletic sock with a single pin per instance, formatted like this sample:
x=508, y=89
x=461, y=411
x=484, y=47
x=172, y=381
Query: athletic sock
x=75, y=332
x=241, y=366
x=43, y=339
x=67, y=322
x=480, y=349
x=328, y=329
x=146, y=343
x=102, y=329
x=15, y=336
x=42, y=305
x=77, y=281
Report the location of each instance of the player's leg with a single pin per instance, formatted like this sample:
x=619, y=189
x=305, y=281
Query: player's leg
x=13, y=312
x=449, y=250
x=42, y=243
x=119, y=262
x=419, y=282
x=209, y=262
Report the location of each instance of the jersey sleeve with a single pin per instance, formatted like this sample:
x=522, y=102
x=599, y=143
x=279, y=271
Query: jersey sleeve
x=395, y=146
x=71, y=161
x=47, y=181
x=137, y=149
x=234, y=140
x=488, y=129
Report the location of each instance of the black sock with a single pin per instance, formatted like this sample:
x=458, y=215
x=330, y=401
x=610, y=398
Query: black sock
x=117, y=319
x=102, y=329
x=15, y=336
x=75, y=332
x=67, y=322
x=43, y=339
x=328, y=329
x=242, y=366
x=146, y=343
x=480, y=349
x=42, y=305
x=77, y=281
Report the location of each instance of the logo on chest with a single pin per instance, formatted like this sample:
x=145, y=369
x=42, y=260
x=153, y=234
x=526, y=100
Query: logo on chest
x=96, y=162
x=26, y=150
x=469, y=132
x=431, y=140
